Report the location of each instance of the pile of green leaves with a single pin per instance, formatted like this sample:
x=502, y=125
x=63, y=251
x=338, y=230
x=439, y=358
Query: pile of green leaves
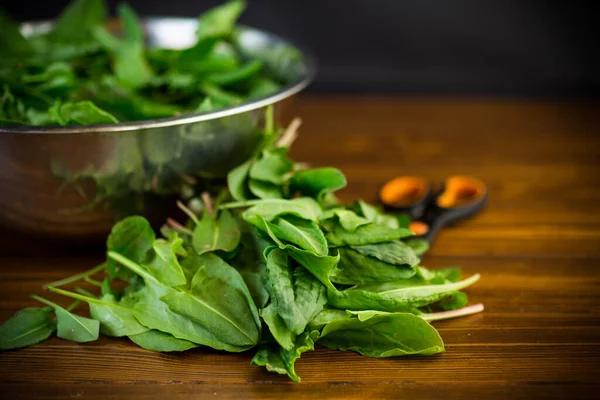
x=274, y=263
x=80, y=73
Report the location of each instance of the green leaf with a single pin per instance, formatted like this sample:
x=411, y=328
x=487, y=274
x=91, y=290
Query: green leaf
x=76, y=328
x=269, y=209
x=227, y=98
x=164, y=265
x=219, y=22
x=201, y=59
x=56, y=78
x=355, y=268
x=367, y=210
x=403, y=220
x=272, y=167
x=387, y=297
x=265, y=190
x=125, y=104
x=131, y=68
x=298, y=295
x=318, y=265
x=365, y=315
x=38, y=118
x=388, y=220
x=77, y=19
x=251, y=264
x=190, y=265
x=153, y=313
x=211, y=235
x=131, y=237
x=317, y=182
x=262, y=86
x=394, y=252
x=128, y=58
x=422, y=277
x=12, y=110
x=83, y=59
x=455, y=301
x=73, y=327
x=160, y=341
x=347, y=219
x=131, y=23
x=326, y=316
x=256, y=286
x=305, y=234
x=282, y=61
x=129, y=63
x=236, y=181
x=277, y=359
x=106, y=289
x=383, y=335
x=205, y=105
x=235, y=76
x=115, y=318
x=219, y=300
x=442, y=275
x=376, y=215
x=419, y=246
x=135, y=285
x=81, y=113
x=280, y=331
x=365, y=234
x=27, y=327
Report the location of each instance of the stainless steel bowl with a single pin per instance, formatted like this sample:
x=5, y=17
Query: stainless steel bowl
x=74, y=182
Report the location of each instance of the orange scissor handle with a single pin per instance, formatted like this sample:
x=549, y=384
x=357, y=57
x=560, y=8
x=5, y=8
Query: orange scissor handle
x=460, y=190
x=404, y=191
x=461, y=197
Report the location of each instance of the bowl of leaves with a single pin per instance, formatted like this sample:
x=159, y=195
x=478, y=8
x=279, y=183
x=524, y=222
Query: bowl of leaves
x=103, y=118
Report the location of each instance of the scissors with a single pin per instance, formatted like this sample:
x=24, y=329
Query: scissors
x=429, y=209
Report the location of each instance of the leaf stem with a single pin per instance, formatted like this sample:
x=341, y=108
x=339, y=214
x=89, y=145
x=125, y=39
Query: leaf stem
x=208, y=206
x=290, y=134
x=77, y=277
x=132, y=266
x=188, y=212
x=92, y=281
x=448, y=287
x=76, y=295
x=270, y=119
x=178, y=227
x=461, y=312
x=220, y=198
x=47, y=302
x=87, y=299
x=84, y=292
x=239, y=204
x=73, y=305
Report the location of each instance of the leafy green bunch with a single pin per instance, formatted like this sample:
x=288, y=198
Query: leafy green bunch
x=80, y=73
x=274, y=263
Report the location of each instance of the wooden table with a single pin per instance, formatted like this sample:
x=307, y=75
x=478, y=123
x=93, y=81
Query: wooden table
x=537, y=247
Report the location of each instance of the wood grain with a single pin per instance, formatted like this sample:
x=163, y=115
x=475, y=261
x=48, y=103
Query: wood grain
x=537, y=246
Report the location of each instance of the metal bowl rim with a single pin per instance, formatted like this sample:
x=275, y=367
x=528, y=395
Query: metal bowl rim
x=287, y=91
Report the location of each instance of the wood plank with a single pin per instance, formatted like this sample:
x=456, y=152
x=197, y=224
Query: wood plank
x=60, y=362
x=451, y=390
x=537, y=247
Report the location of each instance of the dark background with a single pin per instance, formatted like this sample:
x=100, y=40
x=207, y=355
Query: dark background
x=494, y=47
